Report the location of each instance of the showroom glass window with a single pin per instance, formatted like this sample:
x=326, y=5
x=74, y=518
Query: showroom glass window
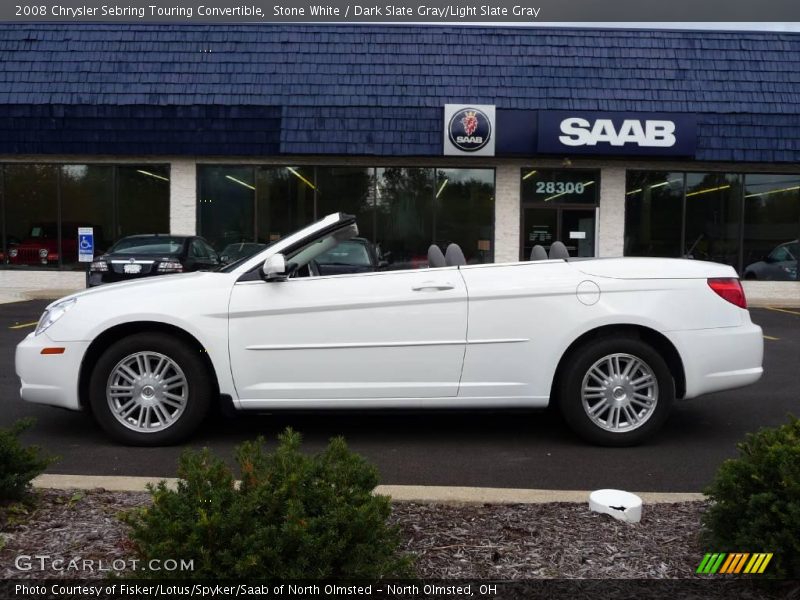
x=559, y=204
x=464, y=211
x=284, y=201
x=653, y=213
x=43, y=205
x=713, y=216
x=400, y=210
x=771, y=227
x=731, y=218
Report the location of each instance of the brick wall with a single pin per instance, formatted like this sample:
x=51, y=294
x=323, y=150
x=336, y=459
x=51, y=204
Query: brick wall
x=183, y=197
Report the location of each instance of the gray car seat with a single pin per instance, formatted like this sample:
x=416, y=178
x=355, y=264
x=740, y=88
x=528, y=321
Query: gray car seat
x=538, y=253
x=453, y=256
x=435, y=257
x=559, y=250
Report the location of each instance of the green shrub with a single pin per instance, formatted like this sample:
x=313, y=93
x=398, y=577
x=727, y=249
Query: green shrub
x=756, y=500
x=294, y=516
x=18, y=464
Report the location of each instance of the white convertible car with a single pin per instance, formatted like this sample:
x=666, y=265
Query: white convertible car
x=611, y=341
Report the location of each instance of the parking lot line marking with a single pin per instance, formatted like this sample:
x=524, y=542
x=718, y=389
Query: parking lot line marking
x=784, y=310
x=23, y=325
x=769, y=337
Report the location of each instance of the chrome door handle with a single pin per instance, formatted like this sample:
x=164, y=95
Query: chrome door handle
x=433, y=286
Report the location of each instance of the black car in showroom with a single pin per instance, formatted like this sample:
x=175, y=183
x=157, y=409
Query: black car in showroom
x=138, y=256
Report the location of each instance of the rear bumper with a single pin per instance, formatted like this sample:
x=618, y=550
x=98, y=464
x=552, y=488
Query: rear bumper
x=49, y=378
x=721, y=358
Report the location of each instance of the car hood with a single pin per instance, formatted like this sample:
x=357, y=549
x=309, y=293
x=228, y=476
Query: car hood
x=185, y=282
x=652, y=268
x=37, y=243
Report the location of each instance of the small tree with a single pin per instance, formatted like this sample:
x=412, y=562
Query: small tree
x=293, y=516
x=19, y=464
x=756, y=499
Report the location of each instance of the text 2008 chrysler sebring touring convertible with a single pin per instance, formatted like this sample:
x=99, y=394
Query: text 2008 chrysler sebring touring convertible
x=612, y=341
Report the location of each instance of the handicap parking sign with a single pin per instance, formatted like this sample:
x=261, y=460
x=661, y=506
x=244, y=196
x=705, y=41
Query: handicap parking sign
x=85, y=244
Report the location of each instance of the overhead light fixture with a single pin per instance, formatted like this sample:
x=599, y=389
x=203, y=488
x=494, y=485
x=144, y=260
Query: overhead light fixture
x=301, y=178
x=585, y=184
x=708, y=190
x=149, y=174
x=240, y=182
x=444, y=183
x=654, y=186
x=531, y=173
x=789, y=189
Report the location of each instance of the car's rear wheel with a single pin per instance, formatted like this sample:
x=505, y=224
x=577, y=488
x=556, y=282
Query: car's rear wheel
x=150, y=389
x=616, y=391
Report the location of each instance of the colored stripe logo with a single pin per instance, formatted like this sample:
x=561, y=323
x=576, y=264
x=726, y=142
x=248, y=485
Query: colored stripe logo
x=734, y=563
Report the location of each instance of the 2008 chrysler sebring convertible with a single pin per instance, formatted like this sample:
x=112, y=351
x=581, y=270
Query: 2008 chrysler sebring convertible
x=611, y=341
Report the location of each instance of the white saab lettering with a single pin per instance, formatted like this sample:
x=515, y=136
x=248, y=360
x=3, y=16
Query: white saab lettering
x=653, y=134
x=469, y=139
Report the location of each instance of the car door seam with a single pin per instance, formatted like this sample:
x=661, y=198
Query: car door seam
x=466, y=332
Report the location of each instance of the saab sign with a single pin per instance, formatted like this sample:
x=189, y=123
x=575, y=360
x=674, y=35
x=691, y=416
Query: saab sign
x=659, y=134
x=469, y=130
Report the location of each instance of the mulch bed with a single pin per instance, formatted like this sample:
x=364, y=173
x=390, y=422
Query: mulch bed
x=557, y=540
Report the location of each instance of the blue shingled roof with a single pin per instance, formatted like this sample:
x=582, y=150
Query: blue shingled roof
x=343, y=89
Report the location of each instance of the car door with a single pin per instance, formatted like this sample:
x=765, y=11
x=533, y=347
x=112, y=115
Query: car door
x=397, y=334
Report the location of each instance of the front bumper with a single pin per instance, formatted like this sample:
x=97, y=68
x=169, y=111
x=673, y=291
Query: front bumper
x=49, y=378
x=721, y=358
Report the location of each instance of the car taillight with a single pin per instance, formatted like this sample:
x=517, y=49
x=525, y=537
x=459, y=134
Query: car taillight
x=170, y=267
x=730, y=289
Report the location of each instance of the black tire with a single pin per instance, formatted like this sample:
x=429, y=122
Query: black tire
x=578, y=365
x=199, y=388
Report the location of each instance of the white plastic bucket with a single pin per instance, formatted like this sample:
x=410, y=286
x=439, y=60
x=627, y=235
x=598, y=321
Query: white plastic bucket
x=617, y=503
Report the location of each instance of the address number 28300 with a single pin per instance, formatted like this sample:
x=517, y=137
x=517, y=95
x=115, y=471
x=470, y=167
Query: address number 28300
x=559, y=187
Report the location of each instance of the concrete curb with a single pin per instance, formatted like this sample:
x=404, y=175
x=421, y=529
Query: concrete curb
x=423, y=494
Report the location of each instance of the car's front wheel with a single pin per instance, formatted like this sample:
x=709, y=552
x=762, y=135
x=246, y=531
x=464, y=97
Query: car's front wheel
x=150, y=389
x=616, y=391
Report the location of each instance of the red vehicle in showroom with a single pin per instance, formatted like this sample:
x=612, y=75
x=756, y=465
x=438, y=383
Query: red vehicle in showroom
x=40, y=247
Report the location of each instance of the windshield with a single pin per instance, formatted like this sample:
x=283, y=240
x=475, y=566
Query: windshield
x=234, y=251
x=346, y=253
x=148, y=245
x=43, y=231
x=295, y=244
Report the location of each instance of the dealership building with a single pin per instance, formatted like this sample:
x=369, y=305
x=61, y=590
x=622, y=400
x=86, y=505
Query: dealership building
x=616, y=142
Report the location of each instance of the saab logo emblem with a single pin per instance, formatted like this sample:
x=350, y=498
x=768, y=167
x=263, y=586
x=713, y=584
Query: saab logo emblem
x=645, y=134
x=470, y=122
x=469, y=129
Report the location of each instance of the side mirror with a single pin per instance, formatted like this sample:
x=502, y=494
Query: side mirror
x=274, y=268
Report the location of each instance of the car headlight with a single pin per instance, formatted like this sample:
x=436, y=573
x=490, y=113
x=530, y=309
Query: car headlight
x=43, y=253
x=54, y=313
x=13, y=252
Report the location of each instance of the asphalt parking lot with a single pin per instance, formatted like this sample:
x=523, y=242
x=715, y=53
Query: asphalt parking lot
x=488, y=449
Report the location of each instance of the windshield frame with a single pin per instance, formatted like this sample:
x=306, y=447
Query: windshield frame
x=291, y=243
